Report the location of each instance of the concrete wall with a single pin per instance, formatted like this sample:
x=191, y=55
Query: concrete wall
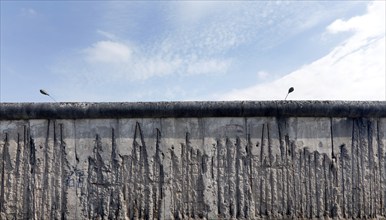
x=257, y=160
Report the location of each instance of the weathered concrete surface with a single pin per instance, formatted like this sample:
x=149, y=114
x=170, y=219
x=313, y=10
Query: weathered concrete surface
x=253, y=164
x=17, y=111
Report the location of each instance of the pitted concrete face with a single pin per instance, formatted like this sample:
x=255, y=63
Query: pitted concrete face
x=240, y=167
x=352, y=109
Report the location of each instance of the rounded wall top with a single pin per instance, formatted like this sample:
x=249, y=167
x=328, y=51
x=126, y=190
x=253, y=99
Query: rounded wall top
x=18, y=111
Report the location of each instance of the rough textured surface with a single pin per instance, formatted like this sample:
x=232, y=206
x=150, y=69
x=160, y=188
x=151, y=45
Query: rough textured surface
x=17, y=111
x=244, y=167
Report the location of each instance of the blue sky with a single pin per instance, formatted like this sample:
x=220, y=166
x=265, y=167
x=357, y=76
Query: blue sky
x=101, y=51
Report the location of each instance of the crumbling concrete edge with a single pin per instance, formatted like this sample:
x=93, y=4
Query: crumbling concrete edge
x=24, y=111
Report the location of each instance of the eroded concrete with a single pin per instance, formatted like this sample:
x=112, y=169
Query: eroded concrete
x=193, y=167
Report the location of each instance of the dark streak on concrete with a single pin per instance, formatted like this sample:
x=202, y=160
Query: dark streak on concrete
x=272, y=176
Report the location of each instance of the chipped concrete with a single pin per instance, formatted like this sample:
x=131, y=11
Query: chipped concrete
x=274, y=165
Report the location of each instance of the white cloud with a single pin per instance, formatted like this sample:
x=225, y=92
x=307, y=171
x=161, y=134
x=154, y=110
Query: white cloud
x=368, y=25
x=207, y=30
x=113, y=61
x=262, y=75
x=355, y=70
x=108, y=52
x=204, y=38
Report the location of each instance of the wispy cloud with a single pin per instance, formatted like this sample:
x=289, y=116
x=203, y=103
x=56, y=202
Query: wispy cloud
x=189, y=46
x=108, y=35
x=178, y=42
x=354, y=70
x=108, y=52
x=204, y=66
x=30, y=12
x=109, y=61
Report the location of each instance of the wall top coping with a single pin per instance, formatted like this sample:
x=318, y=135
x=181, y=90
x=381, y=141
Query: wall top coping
x=84, y=110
